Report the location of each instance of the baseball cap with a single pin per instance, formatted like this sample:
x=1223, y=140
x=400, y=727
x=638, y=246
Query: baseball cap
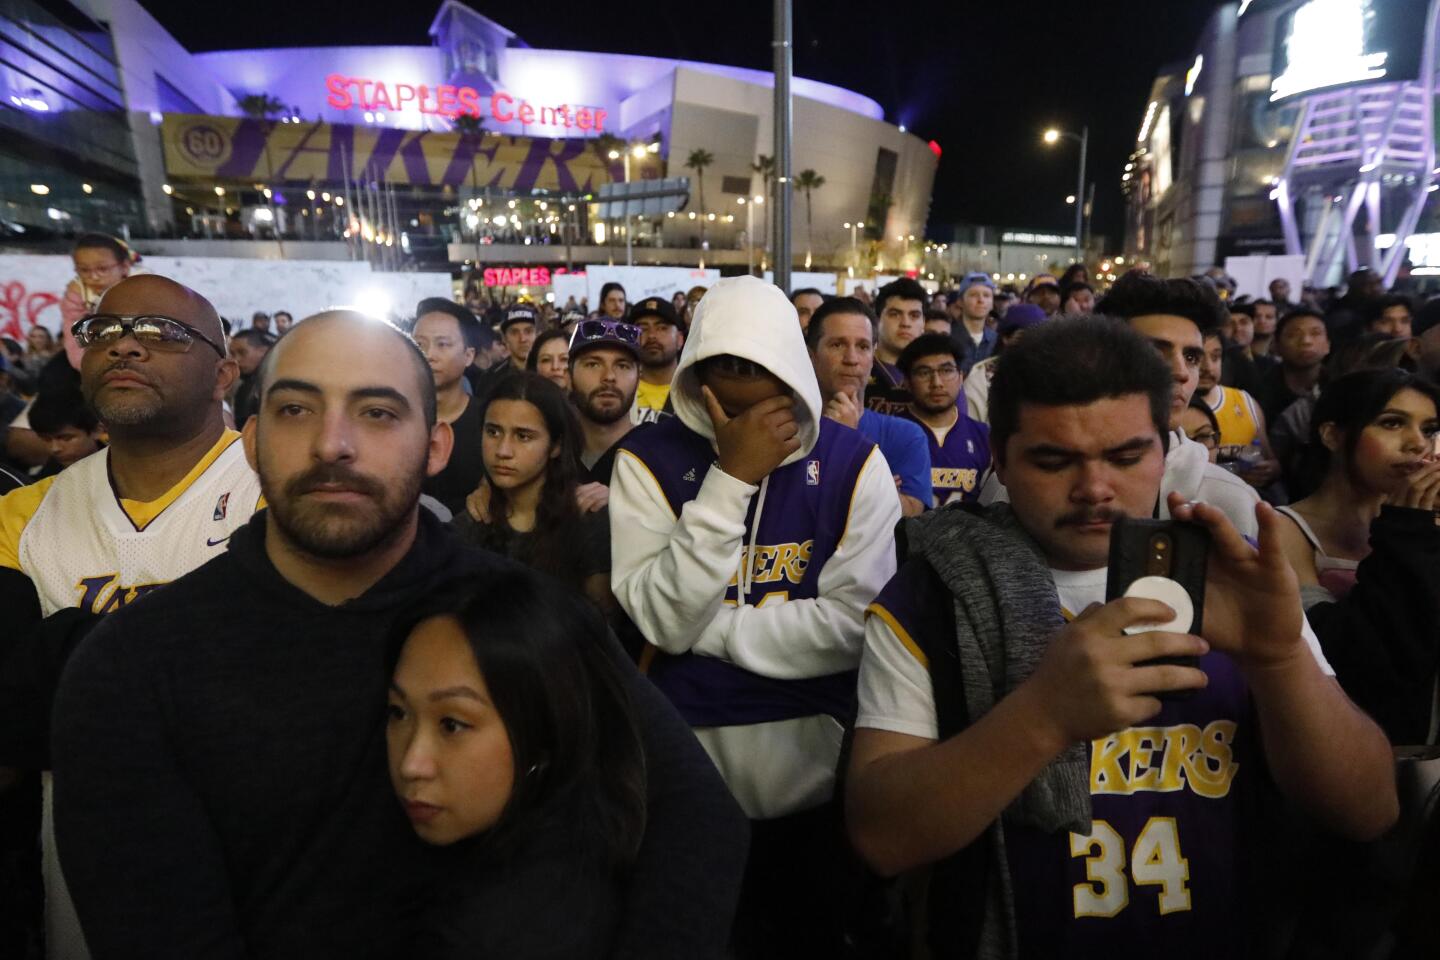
x=1043, y=280
x=520, y=313
x=573, y=315
x=1022, y=316
x=972, y=279
x=656, y=307
x=603, y=331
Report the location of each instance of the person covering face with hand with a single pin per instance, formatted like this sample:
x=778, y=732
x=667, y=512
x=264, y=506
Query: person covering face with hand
x=726, y=548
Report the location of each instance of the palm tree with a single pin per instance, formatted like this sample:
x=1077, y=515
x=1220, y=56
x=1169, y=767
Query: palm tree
x=807, y=181
x=698, y=161
x=765, y=166
x=260, y=105
x=468, y=124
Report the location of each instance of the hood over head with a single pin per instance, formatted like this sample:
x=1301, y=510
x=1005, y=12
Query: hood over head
x=747, y=317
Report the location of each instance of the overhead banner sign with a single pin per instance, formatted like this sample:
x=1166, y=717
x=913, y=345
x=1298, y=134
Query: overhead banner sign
x=270, y=152
x=1333, y=44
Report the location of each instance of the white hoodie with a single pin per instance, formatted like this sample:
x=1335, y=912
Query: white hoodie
x=672, y=572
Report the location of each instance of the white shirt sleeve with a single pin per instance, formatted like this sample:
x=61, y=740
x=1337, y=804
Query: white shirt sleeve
x=669, y=573
x=1313, y=642
x=795, y=639
x=895, y=692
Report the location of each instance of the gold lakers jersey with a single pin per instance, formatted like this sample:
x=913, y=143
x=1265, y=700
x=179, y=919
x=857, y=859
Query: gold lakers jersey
x=82, y=546
x=1238, y=416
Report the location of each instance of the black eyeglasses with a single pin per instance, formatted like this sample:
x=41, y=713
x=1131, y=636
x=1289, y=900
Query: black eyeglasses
x=589, y=330
x=156, y=332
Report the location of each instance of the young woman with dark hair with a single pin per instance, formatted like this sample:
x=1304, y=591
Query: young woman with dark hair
x=1366, y=546
x=512, y=743
x=550, y=357
x=530, y=443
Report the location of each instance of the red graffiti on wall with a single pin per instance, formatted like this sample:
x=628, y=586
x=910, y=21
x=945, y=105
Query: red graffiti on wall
x=20, y=310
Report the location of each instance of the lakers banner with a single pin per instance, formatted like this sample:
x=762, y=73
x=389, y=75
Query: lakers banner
x=267, y=151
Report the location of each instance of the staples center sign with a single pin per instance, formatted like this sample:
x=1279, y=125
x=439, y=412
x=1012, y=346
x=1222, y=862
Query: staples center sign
x=449, y=101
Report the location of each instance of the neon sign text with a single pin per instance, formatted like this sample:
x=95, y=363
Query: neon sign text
x=449, y=101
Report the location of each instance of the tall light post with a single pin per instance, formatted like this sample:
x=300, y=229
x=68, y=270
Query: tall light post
x=1052, y=137
x=750, y=205
x=854, y=254
x=638, y=151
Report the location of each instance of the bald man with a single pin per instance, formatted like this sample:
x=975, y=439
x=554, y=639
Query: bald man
x=161, y=500
x=223, y=792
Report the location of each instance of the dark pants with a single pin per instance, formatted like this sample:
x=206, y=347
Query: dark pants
x=806, y=894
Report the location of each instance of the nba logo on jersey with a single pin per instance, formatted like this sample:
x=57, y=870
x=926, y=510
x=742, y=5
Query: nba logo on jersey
x=970, y=446
x=812, y=473
x=220, y=506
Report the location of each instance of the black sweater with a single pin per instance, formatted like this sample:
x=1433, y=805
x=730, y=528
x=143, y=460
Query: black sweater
x=221, y=785
x=1383, y=638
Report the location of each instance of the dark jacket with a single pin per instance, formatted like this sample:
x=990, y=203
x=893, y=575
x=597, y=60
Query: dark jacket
x=221, y=786
x=1382, y=637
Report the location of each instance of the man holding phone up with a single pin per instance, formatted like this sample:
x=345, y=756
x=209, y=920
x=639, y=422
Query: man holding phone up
x=1011, y=732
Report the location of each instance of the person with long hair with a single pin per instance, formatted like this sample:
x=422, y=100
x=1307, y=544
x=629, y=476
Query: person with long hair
x=550, y=357
x=530, y=444
x=1365, y=543
x=512, y=744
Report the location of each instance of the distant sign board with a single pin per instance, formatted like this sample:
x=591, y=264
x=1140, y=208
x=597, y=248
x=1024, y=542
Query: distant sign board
x=1333, y=44
x=1037, y=239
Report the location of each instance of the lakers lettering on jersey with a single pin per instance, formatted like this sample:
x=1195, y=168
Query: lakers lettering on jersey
x=83, y=546
x=1238, y=416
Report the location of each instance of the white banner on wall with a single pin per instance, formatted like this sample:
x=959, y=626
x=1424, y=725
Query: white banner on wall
x=1253, y=274
x=643, y=282
x=567, y=285
x=31, y=287
x=826, y=283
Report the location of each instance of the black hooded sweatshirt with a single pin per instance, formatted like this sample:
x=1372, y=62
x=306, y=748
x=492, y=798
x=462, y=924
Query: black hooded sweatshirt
x=221, y=786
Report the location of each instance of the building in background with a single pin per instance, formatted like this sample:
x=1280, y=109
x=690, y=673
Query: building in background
x=434, y=151
x=1301, y=127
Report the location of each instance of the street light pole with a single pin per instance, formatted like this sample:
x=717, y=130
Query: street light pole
x=1083, y=138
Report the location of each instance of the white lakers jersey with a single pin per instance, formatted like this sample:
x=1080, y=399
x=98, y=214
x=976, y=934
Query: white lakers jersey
x=82, y=547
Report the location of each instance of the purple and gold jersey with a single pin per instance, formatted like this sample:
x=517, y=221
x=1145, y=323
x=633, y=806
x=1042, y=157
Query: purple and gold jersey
x=1160, y=872
x=958, y=464
x=803, y=515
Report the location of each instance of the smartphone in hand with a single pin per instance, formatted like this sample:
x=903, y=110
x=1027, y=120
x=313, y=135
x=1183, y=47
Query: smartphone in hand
x=1161, y=560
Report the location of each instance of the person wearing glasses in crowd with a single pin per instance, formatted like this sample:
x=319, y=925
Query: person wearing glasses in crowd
x=549, y=357
x=1199, y=423
x=662, y=337
x=959, y=445
x=161, y=500
x=447, y=334
x=254, y=816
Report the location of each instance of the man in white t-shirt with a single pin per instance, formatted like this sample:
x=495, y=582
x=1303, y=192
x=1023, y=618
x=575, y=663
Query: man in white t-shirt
x=1009, y=729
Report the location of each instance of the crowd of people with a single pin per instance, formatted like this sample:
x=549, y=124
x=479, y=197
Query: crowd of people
x=733, y=623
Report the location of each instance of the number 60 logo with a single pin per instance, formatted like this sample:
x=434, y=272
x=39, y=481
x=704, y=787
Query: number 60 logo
x=204, y=144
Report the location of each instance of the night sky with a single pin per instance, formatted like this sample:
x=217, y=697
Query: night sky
x=983, y=78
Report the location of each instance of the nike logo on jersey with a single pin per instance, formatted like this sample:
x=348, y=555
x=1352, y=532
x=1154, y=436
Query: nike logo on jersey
x=215, y=543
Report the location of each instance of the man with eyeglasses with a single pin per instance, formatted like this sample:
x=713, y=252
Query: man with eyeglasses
x=959, y=445
x=161, y=500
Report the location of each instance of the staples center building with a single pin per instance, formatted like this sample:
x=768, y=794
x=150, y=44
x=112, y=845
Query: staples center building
x=128, y=130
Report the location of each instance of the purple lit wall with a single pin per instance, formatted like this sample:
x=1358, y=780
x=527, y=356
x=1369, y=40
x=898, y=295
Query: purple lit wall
x=544, y=79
